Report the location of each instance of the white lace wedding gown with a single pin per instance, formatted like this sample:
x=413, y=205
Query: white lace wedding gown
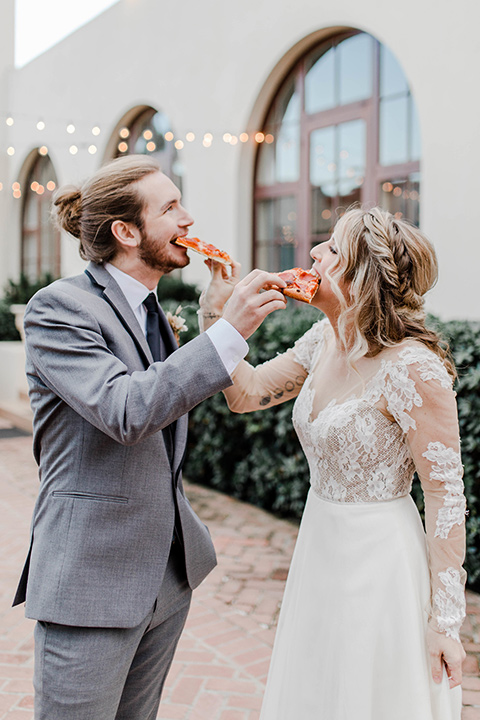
x=365, y=579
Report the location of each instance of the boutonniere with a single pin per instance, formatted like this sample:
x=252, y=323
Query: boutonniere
x=177, y=322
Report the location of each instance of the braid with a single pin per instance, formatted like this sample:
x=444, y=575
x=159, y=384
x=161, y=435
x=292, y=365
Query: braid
x=389, y=266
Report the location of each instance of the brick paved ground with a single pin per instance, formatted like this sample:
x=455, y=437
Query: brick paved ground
x=221, y=664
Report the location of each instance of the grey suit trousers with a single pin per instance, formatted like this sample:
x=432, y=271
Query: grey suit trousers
x=111, y=673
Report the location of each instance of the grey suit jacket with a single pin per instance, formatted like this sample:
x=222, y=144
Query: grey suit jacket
x=103, y=522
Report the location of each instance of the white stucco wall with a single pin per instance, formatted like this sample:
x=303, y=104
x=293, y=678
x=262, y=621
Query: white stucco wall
x=213, y=67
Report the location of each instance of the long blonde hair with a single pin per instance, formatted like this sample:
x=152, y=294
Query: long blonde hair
x=387, y=266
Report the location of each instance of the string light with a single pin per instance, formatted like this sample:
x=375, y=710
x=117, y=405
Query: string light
x=43, y=150
x=169, y=136
x=51, y=185
x=11, y=151
x=179, y=144
x=96, y=130
x=9, y=121
x=190, y=136
x=147, y=134
x=73, y=149
x=227, y=137
x=40, y=125
x=92, y=149
x=122, y=147
x=71, y=128
x=243, y=137
x=259, y=137
x=151, y=146
x=124, y=132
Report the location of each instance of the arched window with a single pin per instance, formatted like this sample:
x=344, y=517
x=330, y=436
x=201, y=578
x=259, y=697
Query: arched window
x=342, y=128
x=40, y=252
x=148, y=132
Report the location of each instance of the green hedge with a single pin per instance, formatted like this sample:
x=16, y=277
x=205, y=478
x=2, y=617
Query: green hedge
x=18, y=292
x=256, y=457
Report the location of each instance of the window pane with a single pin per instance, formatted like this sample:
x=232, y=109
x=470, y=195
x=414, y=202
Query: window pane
x=280, y=161
x=265, y=220
x=392, y=78
x=266, y=165
x=355, y=69
x=287, y=152
x=322, y=157
x=351, y=161
x=276, y=231
x=286, y=107
x=322, y=210
x=352, y=151
x=394, y=131
x=401, y=197
x=320, y=84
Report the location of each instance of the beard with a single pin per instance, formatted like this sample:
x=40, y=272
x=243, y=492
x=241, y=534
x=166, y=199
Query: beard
x=159, y=256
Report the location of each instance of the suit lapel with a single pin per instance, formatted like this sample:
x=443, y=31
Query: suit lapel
x=117, y=300
x=110, y=290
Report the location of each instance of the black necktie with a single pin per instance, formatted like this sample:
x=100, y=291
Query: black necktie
x=158, y=350
x=153, y=327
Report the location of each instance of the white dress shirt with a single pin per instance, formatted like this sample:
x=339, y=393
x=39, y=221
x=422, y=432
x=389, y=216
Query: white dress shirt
x=228, y=342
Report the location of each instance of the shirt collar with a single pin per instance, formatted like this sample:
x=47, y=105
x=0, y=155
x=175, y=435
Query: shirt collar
x=135, y=292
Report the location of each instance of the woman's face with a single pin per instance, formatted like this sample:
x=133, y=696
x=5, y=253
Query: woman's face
x=324, y=257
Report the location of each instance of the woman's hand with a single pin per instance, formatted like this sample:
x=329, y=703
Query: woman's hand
x=222, y=284
x=253, y=298
x=445, y=651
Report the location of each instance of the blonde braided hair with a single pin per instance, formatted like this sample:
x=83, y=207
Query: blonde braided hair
x=387, y=265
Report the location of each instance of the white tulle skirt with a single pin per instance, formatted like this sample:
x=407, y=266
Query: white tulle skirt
x=350, y=643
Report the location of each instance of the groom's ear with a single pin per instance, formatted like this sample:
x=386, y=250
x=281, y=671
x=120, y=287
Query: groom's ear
x=126, y=234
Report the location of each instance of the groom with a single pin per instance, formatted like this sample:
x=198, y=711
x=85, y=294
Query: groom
x=116, y=548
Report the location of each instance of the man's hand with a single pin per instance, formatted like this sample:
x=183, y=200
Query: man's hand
x=445, y=651
x=249, y=306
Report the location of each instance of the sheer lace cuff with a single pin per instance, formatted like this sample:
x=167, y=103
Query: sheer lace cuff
x=449, y=603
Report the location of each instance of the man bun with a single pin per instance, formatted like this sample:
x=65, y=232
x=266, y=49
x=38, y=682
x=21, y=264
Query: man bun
x=67, y=209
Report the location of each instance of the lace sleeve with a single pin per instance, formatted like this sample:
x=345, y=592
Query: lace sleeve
x=307, y=348
x=424, y=405
x=275, y=381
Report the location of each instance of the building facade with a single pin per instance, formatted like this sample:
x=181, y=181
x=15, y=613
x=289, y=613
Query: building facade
x=272, y=117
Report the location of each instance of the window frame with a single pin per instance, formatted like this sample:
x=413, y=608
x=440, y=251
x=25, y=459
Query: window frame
x=367, y=109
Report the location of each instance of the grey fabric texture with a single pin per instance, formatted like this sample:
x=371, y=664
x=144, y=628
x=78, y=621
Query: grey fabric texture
x=104, y=519
x=111, y=673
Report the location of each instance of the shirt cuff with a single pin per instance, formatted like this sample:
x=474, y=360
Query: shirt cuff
x=229, y=344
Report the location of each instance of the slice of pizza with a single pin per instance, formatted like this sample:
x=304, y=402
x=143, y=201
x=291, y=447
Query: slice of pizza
x=301, y=285
x=208, y=251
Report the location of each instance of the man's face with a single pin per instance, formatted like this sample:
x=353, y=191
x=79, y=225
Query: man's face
x=164, y=220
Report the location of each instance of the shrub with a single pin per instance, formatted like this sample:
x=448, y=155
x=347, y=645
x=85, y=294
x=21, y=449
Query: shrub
x=20, y=292
x=257, y=457
x=8, y=331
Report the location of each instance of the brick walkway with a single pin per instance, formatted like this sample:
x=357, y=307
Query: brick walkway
x=221, y=664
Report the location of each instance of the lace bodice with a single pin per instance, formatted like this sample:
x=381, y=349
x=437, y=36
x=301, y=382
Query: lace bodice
x=365, y=434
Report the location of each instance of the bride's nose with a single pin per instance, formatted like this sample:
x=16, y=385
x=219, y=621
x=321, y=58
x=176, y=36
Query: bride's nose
x=316, y=253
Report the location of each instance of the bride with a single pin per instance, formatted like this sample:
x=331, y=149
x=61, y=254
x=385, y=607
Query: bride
x=373, y=605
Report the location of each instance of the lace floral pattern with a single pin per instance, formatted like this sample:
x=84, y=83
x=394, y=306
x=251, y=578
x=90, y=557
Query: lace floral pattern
x=347, y=462
x=307, y=348
x=358, y=453
x=449, y=604
x=447, y=467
